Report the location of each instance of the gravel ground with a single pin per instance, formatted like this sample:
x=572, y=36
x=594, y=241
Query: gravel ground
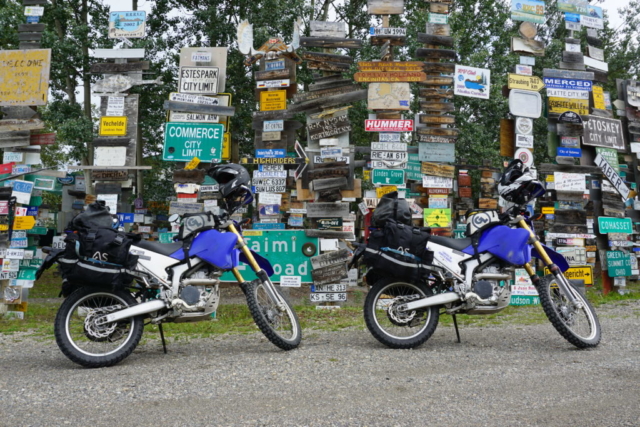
x=498, y=376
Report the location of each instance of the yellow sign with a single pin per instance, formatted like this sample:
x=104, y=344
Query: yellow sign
x=548, y=210
x=113, y=126
x=582, y=272
x=24, y=77
x=253, y=233
x=226, y=146
x=366, y=174
x=4, y=227
x=598, y=98
x=550, y=178
x=437, y=218
x=24, y=222
x=560, y=105
x=192, y=164
x=381, y=191
x=272, y=100
x=517, y=81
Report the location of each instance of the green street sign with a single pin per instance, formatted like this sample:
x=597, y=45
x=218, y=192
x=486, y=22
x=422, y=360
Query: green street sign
x=184, y=141
x=27, y=274
x=38, y=230
x=614, y=225
x=618, y=264
x=167, y=237
x=288, y=251
x=387, y=176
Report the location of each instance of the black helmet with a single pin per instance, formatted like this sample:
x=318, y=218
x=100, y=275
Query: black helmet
x=517, y=184
x=233, y=179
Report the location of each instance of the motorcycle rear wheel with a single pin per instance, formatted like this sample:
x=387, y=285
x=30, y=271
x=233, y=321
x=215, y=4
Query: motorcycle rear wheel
x=282, y=328
x=91, y=345
x=391, y=327
x=578, y=326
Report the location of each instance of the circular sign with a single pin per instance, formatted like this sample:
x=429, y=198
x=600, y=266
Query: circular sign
x=309, y=249
x=570, y=117
x=528, y=30
x=524, y=126
x=525, y=156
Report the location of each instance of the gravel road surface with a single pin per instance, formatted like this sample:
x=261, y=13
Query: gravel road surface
x=498, y=376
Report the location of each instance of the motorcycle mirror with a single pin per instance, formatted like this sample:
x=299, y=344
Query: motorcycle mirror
x=174, y=218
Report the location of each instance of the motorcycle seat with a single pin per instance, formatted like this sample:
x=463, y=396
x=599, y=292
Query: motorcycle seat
x=160, y=248
x=457, y=244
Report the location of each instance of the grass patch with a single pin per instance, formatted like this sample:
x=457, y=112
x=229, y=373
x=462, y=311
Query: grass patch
x=48, y=286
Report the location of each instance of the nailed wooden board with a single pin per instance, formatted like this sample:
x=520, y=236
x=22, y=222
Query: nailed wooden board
x=437, y=81
x=435, y=40
x=436, y=119
x=385, y=7
x=328, y=29
x=190, y=107
x=437, y=169
x=438, y=131
x=322, y=210
x=435, y=53
x=330, y=42
x=567, y=74
x=391, y=76
x=309, y=96
x=109, y=67
x=332, y=84
x=10, y=125
x=325, y=57
x=29, y=45
x=111, y=142
x=392, y=40
x=109, y=175
x=273, y=74
x=330, y=258
x=29, y=28
x=328, y=184
x=328, y=101
x=437, y=106
x=438, y=8
x=439, y=67
x=329, y=172
x=429, y=93
x=287, y=125
x=328, y=66
x=439, y=30
x=329, y=127
x=30, y=36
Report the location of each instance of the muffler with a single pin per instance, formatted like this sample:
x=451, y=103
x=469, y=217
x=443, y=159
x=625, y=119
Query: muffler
x=136, y=310
x=430, y=301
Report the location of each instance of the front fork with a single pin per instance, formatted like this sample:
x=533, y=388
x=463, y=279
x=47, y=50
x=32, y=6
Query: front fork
x=262, y=275
x=555, y=270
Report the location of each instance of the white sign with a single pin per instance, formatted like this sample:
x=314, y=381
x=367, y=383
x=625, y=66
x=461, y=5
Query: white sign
x=524, y=141
x=273, y=126
x=110, y=156
x=58, y=242
x=22, y=191
x=389, y=155
x=199, y=80
x=270, y=198
x=209, y=188
x=115, y=106
x=291, y=281
x=321, y=297
x=612, y=176
x=525, y=156
x=363, y=208
x=389, y=137
x=385, y=31
x=34, y=11
x=10, y=156
x=568, y=93
x=267, y=84
x=388, y=146
x=429, y=181
x=472, y=82
x=200, y=56
x=110, y=200
x=569, y=181
x=14, y=254
x=338, y=287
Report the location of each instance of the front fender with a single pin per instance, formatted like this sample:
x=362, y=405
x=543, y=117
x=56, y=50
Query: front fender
x=557, y=258
x=262, y=262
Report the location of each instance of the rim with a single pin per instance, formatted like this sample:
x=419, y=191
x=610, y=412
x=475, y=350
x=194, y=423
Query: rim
x=93, y=340
x=581, y=321
x=282, y=323
x=402, y=326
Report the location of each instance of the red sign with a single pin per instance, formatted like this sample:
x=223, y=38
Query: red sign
x=4, y=207
x=43, y=139
x=388, y=125
x=438, y=190
x=7, y=167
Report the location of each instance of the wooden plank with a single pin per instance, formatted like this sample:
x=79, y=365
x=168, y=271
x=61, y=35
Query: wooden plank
x=328, y=66
x=438, y=131
x=273, y=74
x=573, y=57
x=485, y=203
x=570, y=216
x=438, y=8
x=566, y=74
x=272, y=115
x=326, y=57
x=330, y=84
x=437, y=81
x=329, y=127
x=507, y=140
x=309, y=96
x=435, y=53
x=29, y=45
x=328, y=101
x=435, y=40
x=30, y=28
x=190, y=107
x=30, y=37
x=599, y=76
x=119, y=53
x=439, y=67
x=392, y=40
x=391, y=76
x=444, y=119
x=390, y=66
x=330, y=258
x=108, y=188
x=437, y=106
x=323, y=210
x=385, y=7
x=109, y=67
x=439, y=30
x=18, y=112
x=572, y=66
x=109, y=175
x=432, y=93
x=330, y=274
x=330, y=42
x=437, y=169
x=328, y=29
x=329, y=184
x=35, y=2
x=594, y=41
x=332, y=172
x=549, y=168
x=569, y=129
x=533, y=47
x=10, y=125
x=288, y=125
x=596, y=53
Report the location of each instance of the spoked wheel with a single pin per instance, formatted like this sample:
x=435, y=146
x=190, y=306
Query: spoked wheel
x=395, y=328
x=281, y=327
x=578, y=325
x=87, y=342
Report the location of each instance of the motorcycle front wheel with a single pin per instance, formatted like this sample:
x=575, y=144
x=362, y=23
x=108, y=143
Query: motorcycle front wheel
x=282, y=328
x=88, y=343
x=395, y=328
x=578, y=325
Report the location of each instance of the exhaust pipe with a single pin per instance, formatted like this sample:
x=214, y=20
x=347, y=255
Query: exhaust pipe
x=136, y=310
x=430, y=301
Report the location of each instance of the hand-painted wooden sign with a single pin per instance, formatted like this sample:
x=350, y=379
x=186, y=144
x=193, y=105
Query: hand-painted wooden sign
x=329, y=127
x=437, y=169
x=24, y=77
x=385, y=7
x=390, y=66
x=391, y=76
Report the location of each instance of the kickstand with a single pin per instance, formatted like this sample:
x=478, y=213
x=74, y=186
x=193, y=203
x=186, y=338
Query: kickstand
x=164, y=344
x=455, y=323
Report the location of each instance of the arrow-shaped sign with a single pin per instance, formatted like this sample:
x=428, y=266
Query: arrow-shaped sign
x=613, y=177
x=517, y=81
x=302, y=154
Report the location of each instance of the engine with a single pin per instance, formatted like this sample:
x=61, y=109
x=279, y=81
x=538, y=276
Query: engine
x=199, y=295
x=490, y=290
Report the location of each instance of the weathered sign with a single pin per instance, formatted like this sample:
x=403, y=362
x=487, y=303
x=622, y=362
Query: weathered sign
x=323, y=210
x=389, y=96
x=385, y=7
x=437, y=169
x=389, y=76
x=612, y=176
x=129, y=24
x=603, y=132
x=435, y=152
x=560, y=105
x=24, y=77
x=329, y=127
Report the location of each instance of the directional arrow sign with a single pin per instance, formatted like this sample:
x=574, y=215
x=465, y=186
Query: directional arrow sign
x=24, y=222
x=583, y=272
x=303, y=155
x=517, y=81
x=613, y=177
